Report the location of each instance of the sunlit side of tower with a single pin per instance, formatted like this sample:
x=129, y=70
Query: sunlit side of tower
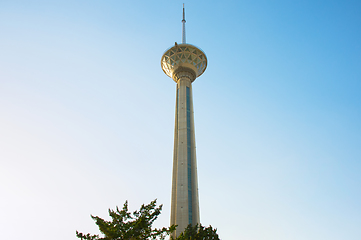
x=184, y=63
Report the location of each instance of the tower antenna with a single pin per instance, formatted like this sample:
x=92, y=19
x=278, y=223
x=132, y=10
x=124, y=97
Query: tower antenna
x=184, y=27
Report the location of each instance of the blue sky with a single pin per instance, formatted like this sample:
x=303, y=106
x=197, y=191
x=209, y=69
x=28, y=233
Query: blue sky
x=87, y=115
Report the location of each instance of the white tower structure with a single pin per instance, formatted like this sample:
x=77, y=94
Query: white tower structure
x=184, y=63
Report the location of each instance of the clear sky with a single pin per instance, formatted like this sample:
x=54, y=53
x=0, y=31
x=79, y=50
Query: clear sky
x=87, y=115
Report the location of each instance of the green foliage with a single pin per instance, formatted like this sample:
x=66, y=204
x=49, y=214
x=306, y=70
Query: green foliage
x=198, y=232
x=129, y=226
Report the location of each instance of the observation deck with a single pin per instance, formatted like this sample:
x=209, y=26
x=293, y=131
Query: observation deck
x=184, y=56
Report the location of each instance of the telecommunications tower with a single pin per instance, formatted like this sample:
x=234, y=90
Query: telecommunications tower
x=184, y=63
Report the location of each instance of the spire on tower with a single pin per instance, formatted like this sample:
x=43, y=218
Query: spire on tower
x=184, y=26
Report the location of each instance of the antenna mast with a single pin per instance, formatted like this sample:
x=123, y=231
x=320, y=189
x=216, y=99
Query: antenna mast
x=184, y=26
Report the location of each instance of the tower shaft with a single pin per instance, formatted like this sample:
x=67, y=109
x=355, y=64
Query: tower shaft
x=185, y=203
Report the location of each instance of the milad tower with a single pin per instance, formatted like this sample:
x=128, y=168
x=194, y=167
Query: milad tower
x=184, y=63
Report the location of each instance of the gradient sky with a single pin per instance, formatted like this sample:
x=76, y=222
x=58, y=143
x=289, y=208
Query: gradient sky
x=87, y=115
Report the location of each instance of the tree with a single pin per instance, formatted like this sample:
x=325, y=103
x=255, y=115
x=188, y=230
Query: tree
x=138, y=226
x=129, y=226
x=198, y=232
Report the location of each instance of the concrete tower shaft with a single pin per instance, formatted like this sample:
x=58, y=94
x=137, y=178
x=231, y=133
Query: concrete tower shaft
x=185, y=202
